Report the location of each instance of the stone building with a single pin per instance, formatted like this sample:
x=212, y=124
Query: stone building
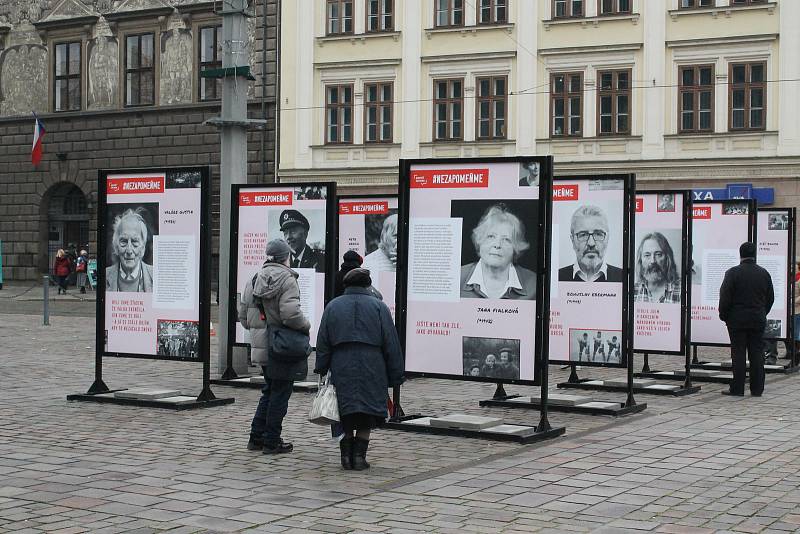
x=116, y=84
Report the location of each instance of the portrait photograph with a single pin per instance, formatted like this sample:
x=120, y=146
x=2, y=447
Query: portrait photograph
x=304, y=231
x=666, y=203
x=595, y=346
x=529, y=174
x=380, y=236
x=487, y=357
x=590, y=241
x=183, y=180
x=130, y=229
x=773, y=328
x=778, y=221
x=658, y=266
x=178, y=339
x=498, y=248
x=310, y=192
x=734, y=207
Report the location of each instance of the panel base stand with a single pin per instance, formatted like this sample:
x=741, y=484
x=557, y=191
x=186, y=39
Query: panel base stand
x=98, y=386
x=257, y=382
x=716, y=377
x=589, y=408
x=652, y=389
x=502, y=432
x=727, y=366
x=170, y=403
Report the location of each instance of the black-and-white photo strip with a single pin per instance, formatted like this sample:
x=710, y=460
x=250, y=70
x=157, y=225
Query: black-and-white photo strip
x=178, y=339
x=666, y=202
x=589, y=234
x=658, y=267
x=380, y=235
x=183, y=180
x=735, y=207
x=778, y=221
x=487, y=357
x=529, y=174
x=310, y=192
x=304, y=231
x=130, y=229
x=497, y=258
x=773, y=328
x=595, y=346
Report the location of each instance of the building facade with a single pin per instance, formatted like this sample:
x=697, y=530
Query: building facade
x=117, y=85
x=685, y=93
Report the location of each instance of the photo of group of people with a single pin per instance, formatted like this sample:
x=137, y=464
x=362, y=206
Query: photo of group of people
x=778, y=221
x=734, y=207
x=491, y=358
x=178, y=339
x=595, y=346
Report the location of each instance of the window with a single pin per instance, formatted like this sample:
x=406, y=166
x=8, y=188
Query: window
x=339, y=114
x=691, y=4
x=449, y=13
x=566, y=100
x=614, y=102
x=563, y=9
x=378, y=99
x=210, y=58
x=748, y=96
x=67, y=77
x=340, y=17
x=448, y=110
x=379, y=15
x=696, y=99
x=491, y=107
x=492, y=12
x=139, y=70
x=747, y=2
x=614, y=7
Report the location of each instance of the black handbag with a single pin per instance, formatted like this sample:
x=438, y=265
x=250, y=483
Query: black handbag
x=287, y=345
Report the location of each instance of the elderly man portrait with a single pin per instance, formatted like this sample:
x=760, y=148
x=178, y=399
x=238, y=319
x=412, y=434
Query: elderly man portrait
x=384, y=258
x=129, y=273
x=499, y=240
x=657, y=275
x=589, y=234
x=295, y=227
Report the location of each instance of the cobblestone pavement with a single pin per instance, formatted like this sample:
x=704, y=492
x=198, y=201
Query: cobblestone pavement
x=696, y=464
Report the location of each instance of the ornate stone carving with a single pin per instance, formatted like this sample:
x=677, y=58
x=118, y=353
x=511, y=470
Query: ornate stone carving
x=136, y=5
x=176, y=67
x=103, y=73
x=16, y=11
x=69, y=9
x=23, y=67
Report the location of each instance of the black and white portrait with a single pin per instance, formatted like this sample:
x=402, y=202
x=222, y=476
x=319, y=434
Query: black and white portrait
x=183, y=180
x=130, y=229
x=304, y=231
x=380, y=234
x=666, y=202
x=529, y=174
x=778, y=221
x=498, y=252
x=773, y=328
x=734, y=207
x=310, y=192
x=658, y=267
x=595, y=346
x=486, y=357
x=587, y=259
x=178, y=339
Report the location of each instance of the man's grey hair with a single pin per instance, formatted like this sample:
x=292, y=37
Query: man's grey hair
x=136, y=215
x=587, y=211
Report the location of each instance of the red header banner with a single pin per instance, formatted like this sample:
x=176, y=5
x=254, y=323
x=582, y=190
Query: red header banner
x=271, y=198
x=445, y=179
x=565, y=192
x=135, y=185
x=701, y=212
x=364, y=208
x=639, y=205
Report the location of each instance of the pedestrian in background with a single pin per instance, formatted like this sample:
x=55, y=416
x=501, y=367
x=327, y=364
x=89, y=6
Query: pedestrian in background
x=272, y=299
x=81, y=266
x=351, y=260
x=358, y=344
x=745, y=299
x=62, y=268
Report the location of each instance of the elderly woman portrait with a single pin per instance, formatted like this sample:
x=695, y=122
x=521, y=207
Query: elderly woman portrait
x=499, y=240
x=384, y=258
x=129, y=273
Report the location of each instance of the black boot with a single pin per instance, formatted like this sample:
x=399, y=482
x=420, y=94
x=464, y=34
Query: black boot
x=346, y=449
x=360, y=454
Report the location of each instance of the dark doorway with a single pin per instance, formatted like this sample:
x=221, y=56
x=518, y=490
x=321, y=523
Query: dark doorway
x=67, y=221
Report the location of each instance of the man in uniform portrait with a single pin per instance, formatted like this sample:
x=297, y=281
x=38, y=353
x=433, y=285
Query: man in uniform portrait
x=295, y=227
x=589, y=234
x=129, y=273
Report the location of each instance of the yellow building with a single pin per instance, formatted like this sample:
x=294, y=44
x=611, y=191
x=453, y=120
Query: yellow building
x=685, y=93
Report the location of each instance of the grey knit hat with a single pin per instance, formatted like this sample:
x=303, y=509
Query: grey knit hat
x=357, y=277
x=278, y=250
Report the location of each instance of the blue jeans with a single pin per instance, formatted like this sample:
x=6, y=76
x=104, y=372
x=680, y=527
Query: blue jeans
x=268, y=421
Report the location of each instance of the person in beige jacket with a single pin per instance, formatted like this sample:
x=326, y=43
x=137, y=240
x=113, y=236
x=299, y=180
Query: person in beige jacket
x=272, y=298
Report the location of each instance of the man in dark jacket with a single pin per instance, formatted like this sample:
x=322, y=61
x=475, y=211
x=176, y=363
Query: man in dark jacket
x=272, y=298
x=745, y=299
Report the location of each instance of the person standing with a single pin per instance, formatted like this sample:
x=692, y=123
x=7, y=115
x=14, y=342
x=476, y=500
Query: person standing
x=358, y=344
x=745, y=299
x=351, y=260
x=81, y=266
x=272, y=298
x=62, y=268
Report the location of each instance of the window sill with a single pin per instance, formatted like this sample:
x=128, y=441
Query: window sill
x=724, y=10
x=572, y=139
x=464, y=30
x=359, y=146
x=481, y=142
x=594, y=21
x=353, y=38
x=712, y=135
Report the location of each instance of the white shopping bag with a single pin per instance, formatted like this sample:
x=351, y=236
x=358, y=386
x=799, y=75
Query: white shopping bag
x=325, y=408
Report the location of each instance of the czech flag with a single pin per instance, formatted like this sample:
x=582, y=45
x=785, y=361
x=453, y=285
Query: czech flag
x=38, y=135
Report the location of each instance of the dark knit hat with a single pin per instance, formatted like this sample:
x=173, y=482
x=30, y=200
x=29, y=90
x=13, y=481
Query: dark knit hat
x=351, y=256
x=357, y=277
x=747, y=250
x=278, y=250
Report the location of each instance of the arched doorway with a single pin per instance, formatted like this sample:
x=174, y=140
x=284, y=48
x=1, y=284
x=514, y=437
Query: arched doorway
x=67, y=220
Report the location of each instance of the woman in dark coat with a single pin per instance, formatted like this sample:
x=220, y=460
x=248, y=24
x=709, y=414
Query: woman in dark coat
x=358, y=344
x=61, y=268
